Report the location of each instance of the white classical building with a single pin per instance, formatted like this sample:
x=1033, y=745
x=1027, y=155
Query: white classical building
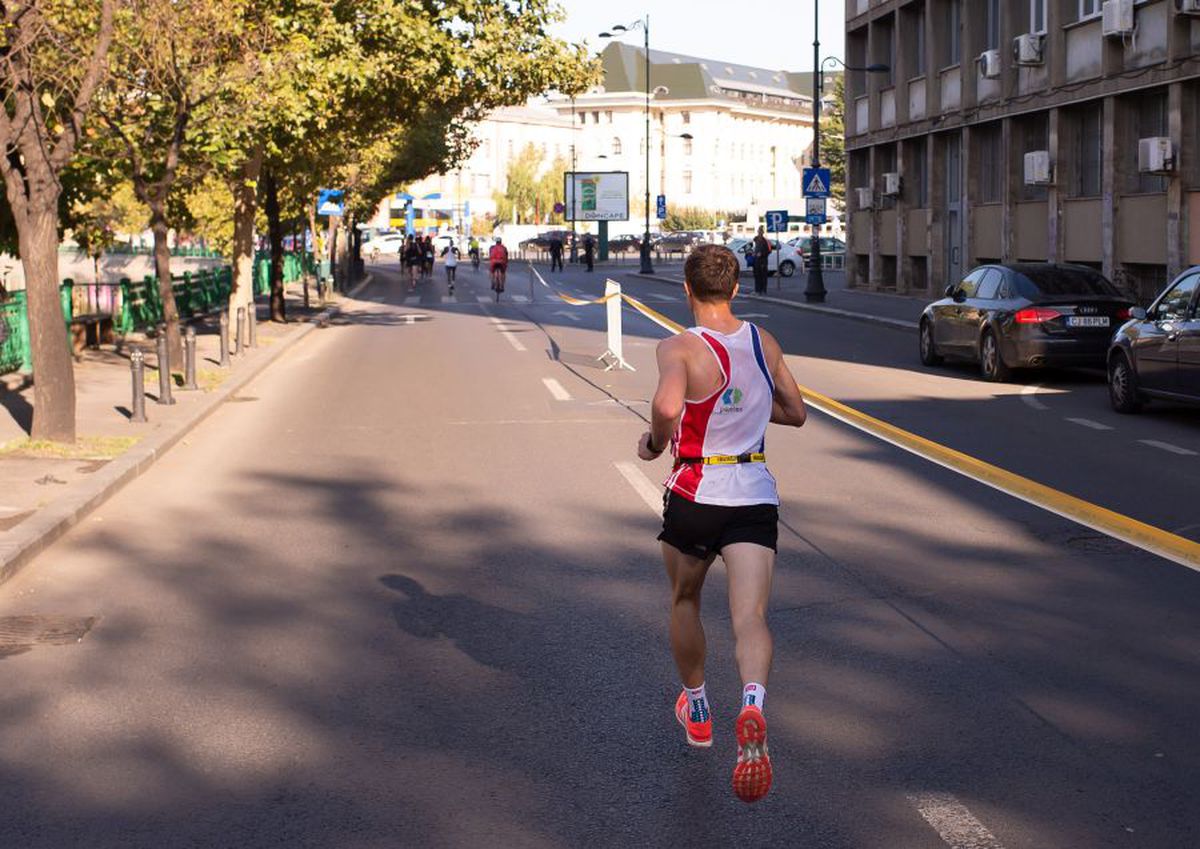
x=723, y=138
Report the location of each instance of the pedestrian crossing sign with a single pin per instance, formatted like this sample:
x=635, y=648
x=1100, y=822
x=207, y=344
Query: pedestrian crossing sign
x=816, y=182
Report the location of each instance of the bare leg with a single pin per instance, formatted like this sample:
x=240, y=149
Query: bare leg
x=687, y=633
x=750, y=567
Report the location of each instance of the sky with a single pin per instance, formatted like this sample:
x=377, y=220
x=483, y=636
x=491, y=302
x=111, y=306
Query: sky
x=776, y=35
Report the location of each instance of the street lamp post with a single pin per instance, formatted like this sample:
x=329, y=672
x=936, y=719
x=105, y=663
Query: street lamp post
x=644, y=23
x=571, y=199
x=814, y=290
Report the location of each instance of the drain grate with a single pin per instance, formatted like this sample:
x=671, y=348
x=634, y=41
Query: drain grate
x=21, y=633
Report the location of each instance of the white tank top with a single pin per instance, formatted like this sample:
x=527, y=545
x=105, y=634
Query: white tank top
x=731, y=421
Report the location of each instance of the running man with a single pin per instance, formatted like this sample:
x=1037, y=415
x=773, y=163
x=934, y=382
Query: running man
x=498, y=258
x=719, y=385
x=451, y=264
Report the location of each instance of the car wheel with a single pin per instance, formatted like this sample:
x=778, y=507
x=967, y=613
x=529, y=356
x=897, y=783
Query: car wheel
x=787, y=268
x=991, y=363
x=929, y=354
x=1122, y=386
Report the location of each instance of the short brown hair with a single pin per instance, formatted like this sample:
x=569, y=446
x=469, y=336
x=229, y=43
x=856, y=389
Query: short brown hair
x=711, y=272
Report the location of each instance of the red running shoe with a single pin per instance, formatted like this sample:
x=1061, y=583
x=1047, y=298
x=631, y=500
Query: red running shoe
x=752, y=773
x=699, y=733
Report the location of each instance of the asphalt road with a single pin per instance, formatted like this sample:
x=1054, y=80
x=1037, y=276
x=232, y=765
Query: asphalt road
x=406, y=593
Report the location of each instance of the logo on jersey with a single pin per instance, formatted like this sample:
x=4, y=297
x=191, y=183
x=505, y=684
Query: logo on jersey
x=731, y=400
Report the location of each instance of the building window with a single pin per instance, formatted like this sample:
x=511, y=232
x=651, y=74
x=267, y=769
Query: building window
x=1089, y=150
x=595, y=117
x=885, y=162
x=583, y=117
x=993, y=24
x=1037, y=15
x=608, y=115
x=687, y=117
x=953, y=32
x=917, y=178
x=1033, y=133
x=616, y=147
x=990, y=150
x=687, y=182
x=1149, y=114
x=1088, y=9
x=912, y=43
x=687, y=147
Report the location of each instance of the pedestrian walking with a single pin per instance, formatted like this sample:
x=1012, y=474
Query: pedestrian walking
x=451, y=263
x=412, y=260
x=589, y=251
x=721, y=498
x=762, y=255
x=427, y=256
x=556, y=254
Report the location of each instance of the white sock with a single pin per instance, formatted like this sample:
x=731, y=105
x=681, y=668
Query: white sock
x=754, y=695
x=697, y=703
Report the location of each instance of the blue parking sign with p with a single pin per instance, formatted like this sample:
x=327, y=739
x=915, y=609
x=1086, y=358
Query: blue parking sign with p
x=777, y=220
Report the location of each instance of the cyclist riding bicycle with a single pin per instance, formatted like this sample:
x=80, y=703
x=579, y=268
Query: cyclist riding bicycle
x=473, y=252
x=498, y=258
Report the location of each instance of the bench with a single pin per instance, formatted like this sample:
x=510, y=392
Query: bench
x=91, y=330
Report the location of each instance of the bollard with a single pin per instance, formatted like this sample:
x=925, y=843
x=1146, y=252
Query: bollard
x=164, y=368
x=189, y=348
x=252, y=320
x=137, y=367
x=224, y=338
x=239, y=340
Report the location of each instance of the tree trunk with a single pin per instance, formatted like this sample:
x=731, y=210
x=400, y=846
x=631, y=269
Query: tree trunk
x=53, y=370
x=275, y=234
x=245, y=207
x=166, y=294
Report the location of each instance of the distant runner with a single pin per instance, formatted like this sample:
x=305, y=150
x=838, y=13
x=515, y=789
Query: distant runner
x=719, y=385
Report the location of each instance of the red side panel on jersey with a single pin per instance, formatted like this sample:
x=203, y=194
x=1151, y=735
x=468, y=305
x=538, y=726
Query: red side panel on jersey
x=693, y=428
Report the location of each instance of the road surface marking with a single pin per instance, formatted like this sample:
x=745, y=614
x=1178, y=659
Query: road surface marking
x=568, y=314
x=521, y=299
x=507, y=334
x=953, y=822
x=659, y=297
x=556, y=389
x=1027, y=396
x=484, y=299
x=1089, y=423
x=642, y=485
x=1166, y=446
x=753, y=315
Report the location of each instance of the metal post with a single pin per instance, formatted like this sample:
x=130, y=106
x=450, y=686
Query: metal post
x=814, y=289
x=252, y=320
x=647, y=267
x=189, y=350
x=137, y=368
x=571, y=199
x=164, y=368
x=224, y=338
x=239, y=337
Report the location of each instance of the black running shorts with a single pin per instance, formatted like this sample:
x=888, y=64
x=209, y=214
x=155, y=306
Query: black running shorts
x=703, y=529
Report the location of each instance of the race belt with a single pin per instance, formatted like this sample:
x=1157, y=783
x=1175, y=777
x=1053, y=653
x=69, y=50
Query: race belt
x=722, y=459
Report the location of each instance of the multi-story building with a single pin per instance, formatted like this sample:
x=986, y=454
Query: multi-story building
x=723, y=137
x=1006, y=130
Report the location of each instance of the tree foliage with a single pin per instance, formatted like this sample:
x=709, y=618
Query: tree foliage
x=833, y=139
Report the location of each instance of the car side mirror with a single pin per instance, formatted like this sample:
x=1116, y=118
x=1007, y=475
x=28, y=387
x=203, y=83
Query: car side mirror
x=950, y=290
x=1138, y=314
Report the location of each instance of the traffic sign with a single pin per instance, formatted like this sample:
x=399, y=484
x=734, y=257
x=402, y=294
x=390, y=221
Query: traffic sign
x=777, y=220
x=330, y=202
x=814, y=210
x=662, y=207
x=816, y=182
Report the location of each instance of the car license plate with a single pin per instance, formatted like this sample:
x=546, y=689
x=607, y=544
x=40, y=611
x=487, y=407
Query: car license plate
x=1087, y=321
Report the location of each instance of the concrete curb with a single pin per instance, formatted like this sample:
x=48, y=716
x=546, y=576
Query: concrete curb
x=895, y=323
x=21, y=545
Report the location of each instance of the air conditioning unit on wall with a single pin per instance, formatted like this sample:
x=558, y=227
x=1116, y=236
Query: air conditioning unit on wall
x=989, y=64
x=891, y=183
x=1118, y=18
x=1156, y=155
x=1027, y=49
x=865, y=197
x=1037, y=168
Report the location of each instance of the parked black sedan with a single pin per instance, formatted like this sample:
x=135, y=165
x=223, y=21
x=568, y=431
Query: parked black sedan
x=1024, y=315
x=1157, y=354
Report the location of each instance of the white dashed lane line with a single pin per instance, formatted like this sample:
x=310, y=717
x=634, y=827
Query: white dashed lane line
x=556, y=389
x=1027, y=396
x=1166, y=446
x=1088, y=423
x=957, y=827
x=650, y=492
x=507, y=334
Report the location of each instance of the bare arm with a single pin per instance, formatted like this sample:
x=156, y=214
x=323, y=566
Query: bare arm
x=667, y=406
x=787, y=407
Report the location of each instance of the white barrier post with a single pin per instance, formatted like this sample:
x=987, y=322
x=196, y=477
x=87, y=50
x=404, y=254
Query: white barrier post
x=614, y=357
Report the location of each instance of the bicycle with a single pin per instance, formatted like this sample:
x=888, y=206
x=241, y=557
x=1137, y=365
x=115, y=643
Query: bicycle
x=499, y=272
x=475, y=259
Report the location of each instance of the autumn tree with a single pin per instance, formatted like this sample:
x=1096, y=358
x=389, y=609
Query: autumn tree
x=833, y=139
x=53, y=59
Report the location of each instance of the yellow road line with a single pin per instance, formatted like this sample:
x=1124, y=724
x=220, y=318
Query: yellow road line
x=1165, y=544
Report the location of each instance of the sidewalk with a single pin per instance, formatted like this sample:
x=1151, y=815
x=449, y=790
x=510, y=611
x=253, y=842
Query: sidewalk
x=45, y=489
x=898, y=311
